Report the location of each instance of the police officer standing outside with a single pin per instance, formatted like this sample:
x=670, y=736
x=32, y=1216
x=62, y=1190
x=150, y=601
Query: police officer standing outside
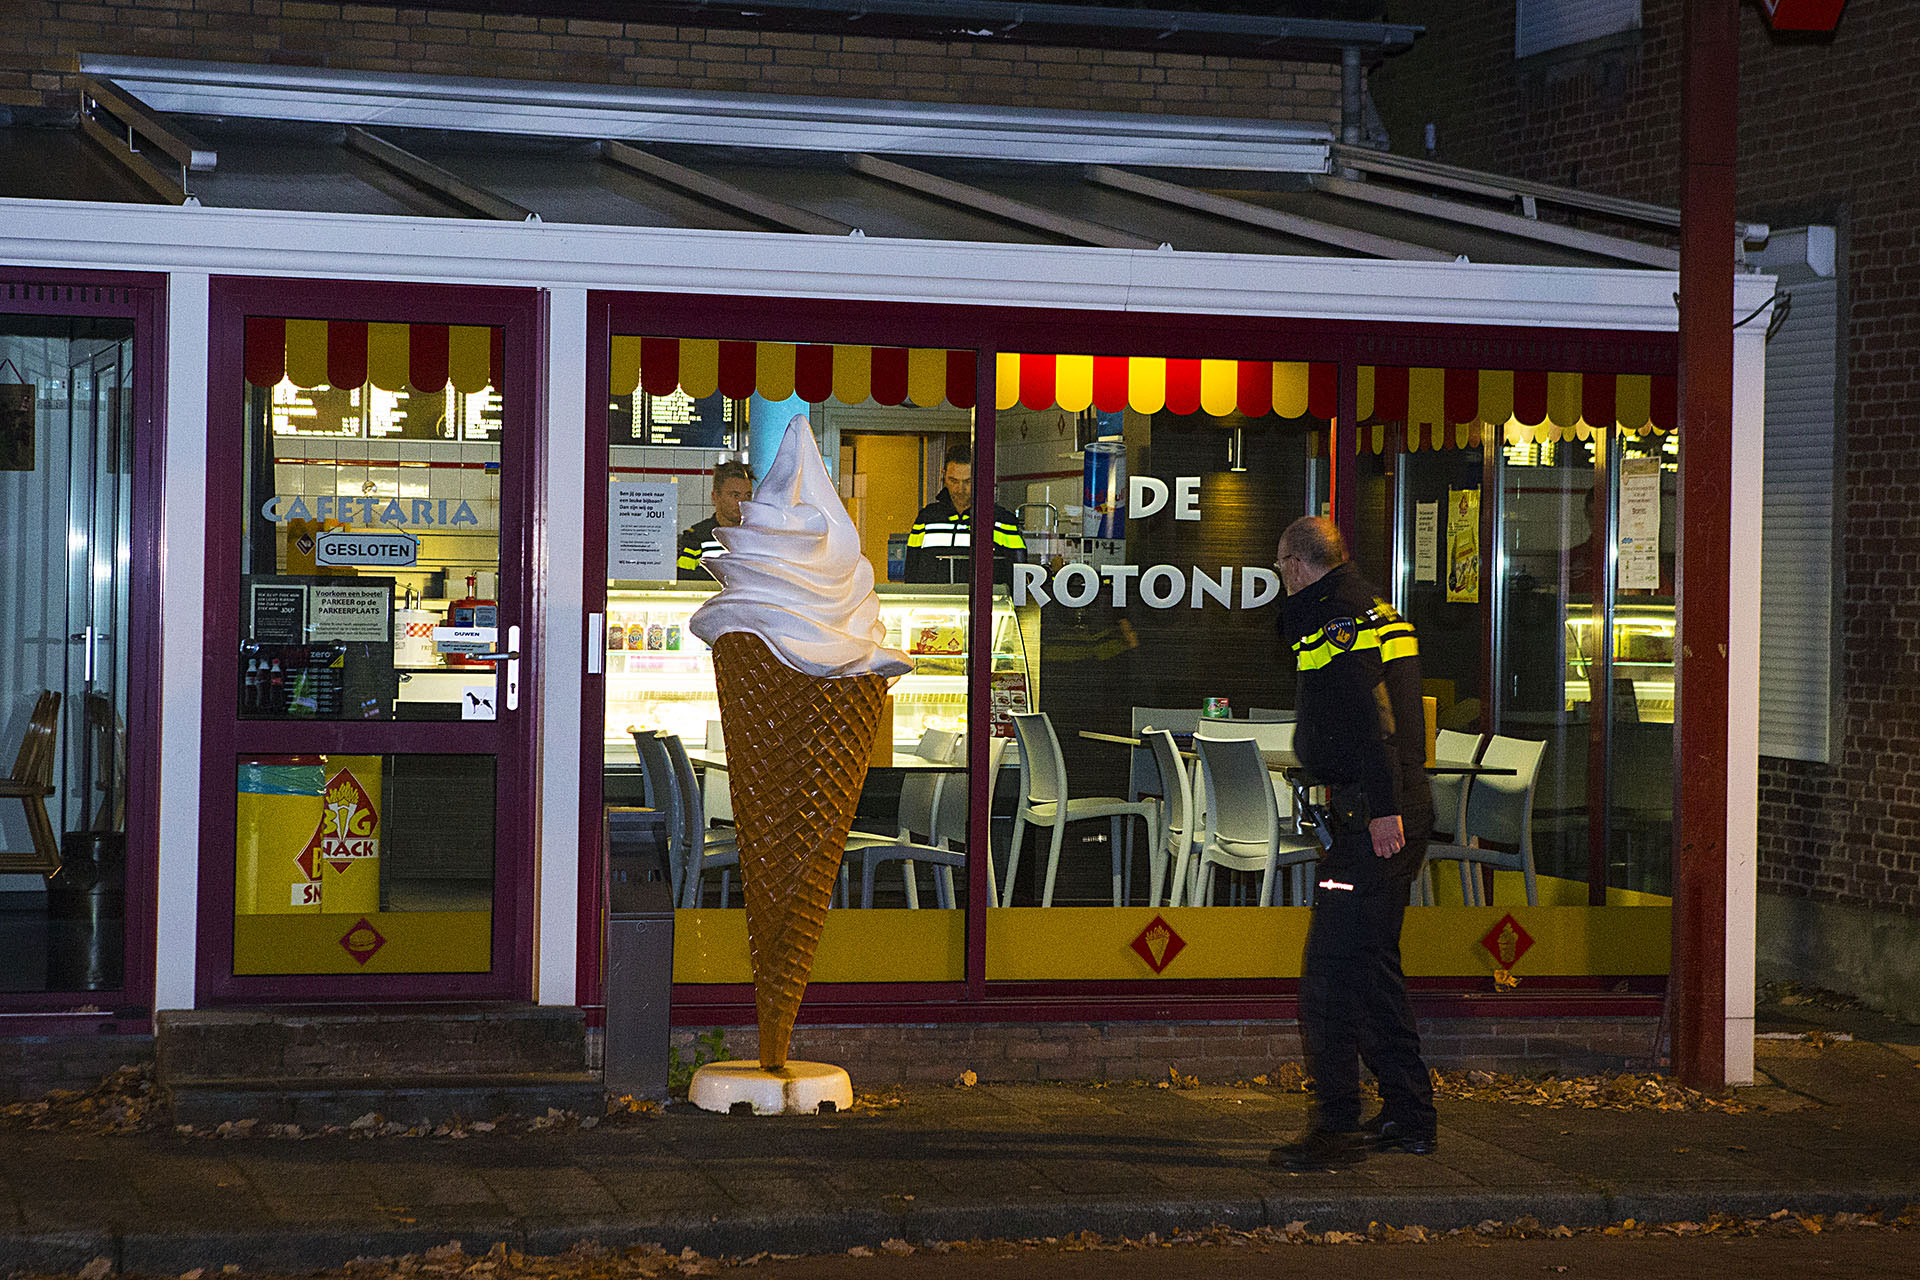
x=941, y=540
x=732, y=485
x=1362, y=733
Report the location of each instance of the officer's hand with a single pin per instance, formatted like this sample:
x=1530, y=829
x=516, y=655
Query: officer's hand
x=1388, y=838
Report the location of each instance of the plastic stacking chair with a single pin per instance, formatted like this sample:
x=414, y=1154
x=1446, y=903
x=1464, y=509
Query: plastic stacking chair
x=920, y=793
x=716, y=791
x=1143, y=774
x=1044, y=803
x=1243, y=831
x=1498, y=809
x=661, y=794
x=1176, y=818
x=701, y=850
x=1449, y=805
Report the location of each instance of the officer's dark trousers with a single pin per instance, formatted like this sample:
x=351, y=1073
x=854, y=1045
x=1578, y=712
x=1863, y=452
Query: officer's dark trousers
x=1353, y=997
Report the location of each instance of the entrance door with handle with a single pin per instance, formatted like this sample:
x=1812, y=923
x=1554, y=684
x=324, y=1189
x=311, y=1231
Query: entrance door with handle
x=366, y=807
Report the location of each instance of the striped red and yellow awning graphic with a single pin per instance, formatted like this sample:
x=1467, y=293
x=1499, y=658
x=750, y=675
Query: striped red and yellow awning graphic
x=1440, y=408
x=350, y=353
x=815, y=372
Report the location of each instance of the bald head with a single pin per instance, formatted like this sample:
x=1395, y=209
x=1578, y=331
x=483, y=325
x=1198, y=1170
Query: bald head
x=1310, y=548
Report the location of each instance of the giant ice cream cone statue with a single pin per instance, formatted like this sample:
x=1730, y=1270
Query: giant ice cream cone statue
x=795, y=632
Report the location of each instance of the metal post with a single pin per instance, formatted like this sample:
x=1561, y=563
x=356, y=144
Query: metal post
x=1352, y=85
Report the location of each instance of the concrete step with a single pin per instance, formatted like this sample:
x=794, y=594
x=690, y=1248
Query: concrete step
x=409, y=1100
x=313, y=1065
x=323, y=1042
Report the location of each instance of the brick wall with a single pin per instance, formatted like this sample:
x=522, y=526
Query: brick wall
x=41, y=40
x=1826, y=135
x=30, y=1066
x=1212, y=1051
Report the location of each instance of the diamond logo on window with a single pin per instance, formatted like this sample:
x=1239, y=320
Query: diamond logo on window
x=1158, y=944
x=363, y=940
x=1506, y=942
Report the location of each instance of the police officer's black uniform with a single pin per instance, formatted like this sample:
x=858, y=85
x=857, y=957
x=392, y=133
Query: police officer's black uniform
x=1361, y=731
x=697, y=542
x=941, y=541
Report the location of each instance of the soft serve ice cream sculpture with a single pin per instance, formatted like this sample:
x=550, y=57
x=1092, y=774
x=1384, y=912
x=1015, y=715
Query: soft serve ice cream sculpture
x=795, y=632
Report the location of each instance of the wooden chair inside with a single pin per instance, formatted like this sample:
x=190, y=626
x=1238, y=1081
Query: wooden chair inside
x=31, y=783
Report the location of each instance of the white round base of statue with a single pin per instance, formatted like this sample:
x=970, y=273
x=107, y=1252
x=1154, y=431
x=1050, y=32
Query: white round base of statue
x=797, y=1089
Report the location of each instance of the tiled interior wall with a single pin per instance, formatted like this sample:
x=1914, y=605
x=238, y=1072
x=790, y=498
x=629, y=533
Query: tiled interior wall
x=691, y=470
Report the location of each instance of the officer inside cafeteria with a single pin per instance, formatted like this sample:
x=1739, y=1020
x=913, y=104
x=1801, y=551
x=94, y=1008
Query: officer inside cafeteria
x=941, y=540
x=732, y=485
x=1361, y=733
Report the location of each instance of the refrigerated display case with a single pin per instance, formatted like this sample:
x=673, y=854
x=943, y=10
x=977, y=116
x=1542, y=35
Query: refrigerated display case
x=660, y=675
x=1642, y=662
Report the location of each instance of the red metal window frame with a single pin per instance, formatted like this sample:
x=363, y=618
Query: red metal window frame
x=989, y=330
x=142, y=298
x=521, y=314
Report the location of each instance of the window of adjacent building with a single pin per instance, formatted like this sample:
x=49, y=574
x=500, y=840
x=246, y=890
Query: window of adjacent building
x=1540, y=26
x=1796, y=546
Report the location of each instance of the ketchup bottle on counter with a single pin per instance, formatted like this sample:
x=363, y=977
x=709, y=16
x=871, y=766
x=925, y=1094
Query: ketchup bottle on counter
x=471, y=610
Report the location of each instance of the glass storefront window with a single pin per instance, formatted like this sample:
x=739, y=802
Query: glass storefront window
x=370, y=537
x=376, y=689
x=1150, y=595
x=1549, y=526
x=893, y=439
x=364, y=864
x=1640, y=767
x=66, y=467
x=1443, y=584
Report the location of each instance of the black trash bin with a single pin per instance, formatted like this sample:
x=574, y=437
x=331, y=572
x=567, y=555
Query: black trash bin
x=639, y=978
x=87, y=913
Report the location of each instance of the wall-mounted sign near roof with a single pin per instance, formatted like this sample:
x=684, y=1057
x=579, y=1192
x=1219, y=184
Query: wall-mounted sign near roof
x=351, y=353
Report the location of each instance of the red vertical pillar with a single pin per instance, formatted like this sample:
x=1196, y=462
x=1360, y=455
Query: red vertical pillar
x=1709, y=98
x=1343, y=487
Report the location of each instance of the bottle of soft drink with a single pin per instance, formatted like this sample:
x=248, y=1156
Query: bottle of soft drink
x=276, y=688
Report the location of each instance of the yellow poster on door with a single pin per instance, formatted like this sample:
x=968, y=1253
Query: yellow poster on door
x=1463, y=546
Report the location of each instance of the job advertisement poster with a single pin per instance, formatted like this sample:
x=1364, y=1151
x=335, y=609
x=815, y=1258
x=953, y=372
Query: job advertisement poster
x=1640, y=524
x=1426, y=542
x=643, y=525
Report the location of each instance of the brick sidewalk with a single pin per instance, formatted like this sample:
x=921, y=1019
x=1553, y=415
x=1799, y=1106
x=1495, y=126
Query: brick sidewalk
x=1834, y=1127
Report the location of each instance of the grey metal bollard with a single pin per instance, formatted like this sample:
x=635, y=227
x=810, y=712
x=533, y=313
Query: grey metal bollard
x=639, y=978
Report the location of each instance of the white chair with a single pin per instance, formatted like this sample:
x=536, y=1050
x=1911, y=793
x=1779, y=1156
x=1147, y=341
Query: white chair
x=701, y=849
x=1044, y=802
x=1499, y=809
x=920, y=792
x=1449, y=804
x=1143, y=775
x=715, y=789
x=1259, y=715
x=1243, y=831
x=1176, y=818
x=952, y=799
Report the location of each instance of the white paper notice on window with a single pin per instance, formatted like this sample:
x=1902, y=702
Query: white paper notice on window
x=643, y=528
x=1426, y=542
x=1640, y=524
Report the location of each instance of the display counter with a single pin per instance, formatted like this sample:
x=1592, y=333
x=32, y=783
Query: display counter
x=660, y=675
x=1642, y=662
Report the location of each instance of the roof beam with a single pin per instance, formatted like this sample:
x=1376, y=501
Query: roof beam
x=432, y=178
x=993, y=205
x=719, y=191
x=1254, y=215
x=1510, y=224
x=165, y=136
x=1520, y=190
x=165, y=183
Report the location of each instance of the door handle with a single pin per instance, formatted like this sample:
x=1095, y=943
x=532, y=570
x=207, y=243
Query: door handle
x=85, y=637
x=511, y=657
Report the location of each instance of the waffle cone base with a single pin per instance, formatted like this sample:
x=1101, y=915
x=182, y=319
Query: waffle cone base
x=798, y=746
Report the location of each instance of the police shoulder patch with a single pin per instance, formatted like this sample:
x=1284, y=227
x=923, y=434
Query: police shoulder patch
x=1342, y=632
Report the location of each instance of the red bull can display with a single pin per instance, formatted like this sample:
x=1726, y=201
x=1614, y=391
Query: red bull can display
x=1104, y=492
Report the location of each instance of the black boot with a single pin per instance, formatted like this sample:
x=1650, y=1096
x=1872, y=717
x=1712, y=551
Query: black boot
x=1318, y=1149
x=1395, y=1136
